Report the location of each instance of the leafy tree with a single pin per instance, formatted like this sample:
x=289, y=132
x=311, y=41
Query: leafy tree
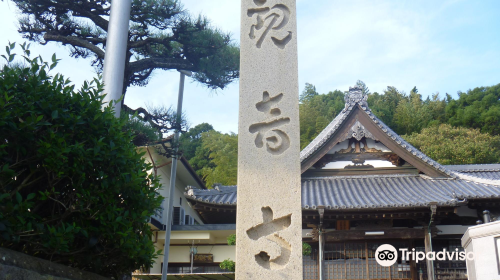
x=73, y=189
x=437, y=109
x=190, y=144
x=162, y=36
x=308, y=93
x=456, y=145
x=384, y=105
x=142, y=131
x=191, y=140
x=316, y=112
x=223, y=153
x=411, y=114
x=477, y=108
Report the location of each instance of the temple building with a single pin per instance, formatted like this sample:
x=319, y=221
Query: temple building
x=363, y=186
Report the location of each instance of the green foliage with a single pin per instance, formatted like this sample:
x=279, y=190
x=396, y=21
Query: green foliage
x=162, y=36
x=73, y=189
x=317, y=111
x=363, y=86
x=213, y=155
x=190, y=146
x=406, y=114
x=308, y=93
x=142, y=131
x=231, y=239
x=384, y=105
x=228, y=265
x=478, y=108
x=436, y=108
x=306, y=249
x=223, y=153
x=411, y=114
x=456, y=145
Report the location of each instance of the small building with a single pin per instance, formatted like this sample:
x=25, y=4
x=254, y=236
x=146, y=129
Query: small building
x=188, y=227
x=364, y=186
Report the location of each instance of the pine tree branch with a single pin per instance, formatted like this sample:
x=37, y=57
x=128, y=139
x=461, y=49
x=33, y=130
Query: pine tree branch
x=163, y=63
x=93, y=12
x=74, y=41
x=147, y=41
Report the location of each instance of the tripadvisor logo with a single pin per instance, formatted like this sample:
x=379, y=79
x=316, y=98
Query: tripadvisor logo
x=387, y=255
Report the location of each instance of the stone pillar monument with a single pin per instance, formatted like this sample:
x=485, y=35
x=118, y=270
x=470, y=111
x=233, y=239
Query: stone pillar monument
x=482, y=248
x=269, y=218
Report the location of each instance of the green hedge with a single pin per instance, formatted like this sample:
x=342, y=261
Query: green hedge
x=73, y=189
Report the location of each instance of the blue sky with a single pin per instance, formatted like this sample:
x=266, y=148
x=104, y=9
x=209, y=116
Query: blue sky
x=438, y=46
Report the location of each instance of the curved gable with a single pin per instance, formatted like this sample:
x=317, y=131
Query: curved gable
x=357, y=110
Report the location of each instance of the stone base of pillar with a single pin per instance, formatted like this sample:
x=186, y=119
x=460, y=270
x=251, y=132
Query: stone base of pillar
x=482, y=246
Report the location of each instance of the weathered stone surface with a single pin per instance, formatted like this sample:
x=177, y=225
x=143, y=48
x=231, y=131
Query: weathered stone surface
x=484, y=242
x=19, y=266
x=268, y=227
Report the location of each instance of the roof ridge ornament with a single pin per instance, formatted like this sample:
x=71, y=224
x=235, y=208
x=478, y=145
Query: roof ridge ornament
x=355, y=95
x=358, y=131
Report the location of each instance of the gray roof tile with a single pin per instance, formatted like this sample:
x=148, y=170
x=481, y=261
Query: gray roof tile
x=369, y=192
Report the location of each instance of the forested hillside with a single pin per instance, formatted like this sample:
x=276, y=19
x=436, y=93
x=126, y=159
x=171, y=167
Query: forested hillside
x=405, y=113
x=465, y=130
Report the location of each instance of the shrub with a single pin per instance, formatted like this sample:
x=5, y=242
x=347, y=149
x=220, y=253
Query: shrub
x=231, y=239
x=456, y=145
x=73, y=189
x=306, y=249
x=228, y=265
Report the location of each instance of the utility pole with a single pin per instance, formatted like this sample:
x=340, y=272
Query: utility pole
x=114, y=59
x=173, y=172
x=116, y=48
x=193, y=251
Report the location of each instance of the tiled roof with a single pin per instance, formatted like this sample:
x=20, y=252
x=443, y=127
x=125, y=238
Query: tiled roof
x=357, y=98
x=369, y=192
x=378, y=191
x=492, y=175
x=363, y=192
x=222, y=195
x=484, y=171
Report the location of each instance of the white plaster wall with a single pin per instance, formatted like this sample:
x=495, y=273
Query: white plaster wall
x=342, y=164
x=164, y=175
x=156, y=268
x=180, y=254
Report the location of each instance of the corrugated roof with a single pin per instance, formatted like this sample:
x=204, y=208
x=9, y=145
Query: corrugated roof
x=368, y=192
